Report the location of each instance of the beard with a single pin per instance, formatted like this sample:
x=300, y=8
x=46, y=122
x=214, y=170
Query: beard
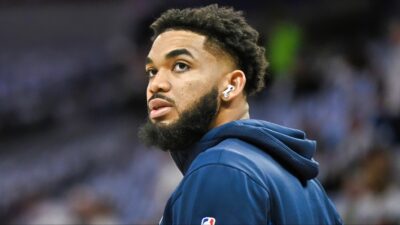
x=190, y=127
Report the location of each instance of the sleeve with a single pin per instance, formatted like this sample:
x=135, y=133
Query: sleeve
x=219, y=194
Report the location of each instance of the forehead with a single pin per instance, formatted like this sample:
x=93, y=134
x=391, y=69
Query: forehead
x=177, y=39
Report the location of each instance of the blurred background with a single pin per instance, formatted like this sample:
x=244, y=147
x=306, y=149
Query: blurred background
x=72, y=96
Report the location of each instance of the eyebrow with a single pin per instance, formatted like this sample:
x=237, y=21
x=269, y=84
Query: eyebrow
x=172, y=54
x=178, y=52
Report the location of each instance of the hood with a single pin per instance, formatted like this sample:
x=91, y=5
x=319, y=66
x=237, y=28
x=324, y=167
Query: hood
x=288, y=146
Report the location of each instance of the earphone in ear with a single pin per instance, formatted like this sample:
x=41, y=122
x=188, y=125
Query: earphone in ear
x=228, y=90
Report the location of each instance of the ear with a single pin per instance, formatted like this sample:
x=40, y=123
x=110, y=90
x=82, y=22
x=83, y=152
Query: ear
x=237, y=79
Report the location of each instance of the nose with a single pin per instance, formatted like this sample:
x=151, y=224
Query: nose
x=159, y=83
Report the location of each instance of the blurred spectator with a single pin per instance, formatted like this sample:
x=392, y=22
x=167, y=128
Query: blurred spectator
x=369, y=195
x=90, y=208
x=392, y=72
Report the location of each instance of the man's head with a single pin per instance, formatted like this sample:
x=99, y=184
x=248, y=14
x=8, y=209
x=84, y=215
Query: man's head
x=202, y=64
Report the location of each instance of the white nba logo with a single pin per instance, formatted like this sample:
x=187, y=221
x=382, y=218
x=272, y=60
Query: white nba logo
x=208, y=221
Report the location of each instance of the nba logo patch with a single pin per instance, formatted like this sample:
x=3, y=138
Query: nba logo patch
x=208, y=221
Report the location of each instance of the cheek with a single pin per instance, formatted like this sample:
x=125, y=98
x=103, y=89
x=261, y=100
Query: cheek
x=190, y=94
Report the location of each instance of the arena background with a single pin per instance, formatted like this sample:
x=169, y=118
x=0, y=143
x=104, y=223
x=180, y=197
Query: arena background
x=72, y=96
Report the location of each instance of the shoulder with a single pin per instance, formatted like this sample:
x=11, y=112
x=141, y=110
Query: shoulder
x=236, y=155
x=220, y=184
x=223, y=192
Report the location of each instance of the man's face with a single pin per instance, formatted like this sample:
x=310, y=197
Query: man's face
x=181, y=70
x=183, y=89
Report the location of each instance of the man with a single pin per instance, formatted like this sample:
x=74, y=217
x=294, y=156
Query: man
x=202, y=65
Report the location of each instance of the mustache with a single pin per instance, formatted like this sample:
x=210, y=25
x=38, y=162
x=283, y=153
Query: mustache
x=161, y=96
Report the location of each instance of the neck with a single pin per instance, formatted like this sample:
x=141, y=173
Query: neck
x=237, y=109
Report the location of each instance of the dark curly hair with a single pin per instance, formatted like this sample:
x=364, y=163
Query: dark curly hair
x=225, y=28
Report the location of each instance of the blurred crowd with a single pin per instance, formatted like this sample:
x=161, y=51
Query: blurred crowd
x=69, y=112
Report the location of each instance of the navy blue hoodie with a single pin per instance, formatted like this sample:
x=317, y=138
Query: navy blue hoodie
x=250, y=172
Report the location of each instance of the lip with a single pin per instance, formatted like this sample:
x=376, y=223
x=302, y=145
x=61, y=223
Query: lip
x=159, y=107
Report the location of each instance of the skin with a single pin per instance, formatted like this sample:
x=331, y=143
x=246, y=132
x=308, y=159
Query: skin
x=182, y=67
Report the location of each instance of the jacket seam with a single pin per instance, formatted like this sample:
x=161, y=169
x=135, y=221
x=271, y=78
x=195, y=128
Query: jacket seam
x=176, y=198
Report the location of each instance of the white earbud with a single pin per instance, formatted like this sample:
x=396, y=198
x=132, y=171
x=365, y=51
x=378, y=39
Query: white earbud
x=228, y=90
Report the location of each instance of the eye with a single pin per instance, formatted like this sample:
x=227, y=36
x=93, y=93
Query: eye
x=181, y=67
x=151, y=72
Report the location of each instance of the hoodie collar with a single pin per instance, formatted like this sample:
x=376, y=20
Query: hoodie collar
x=288, y=146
